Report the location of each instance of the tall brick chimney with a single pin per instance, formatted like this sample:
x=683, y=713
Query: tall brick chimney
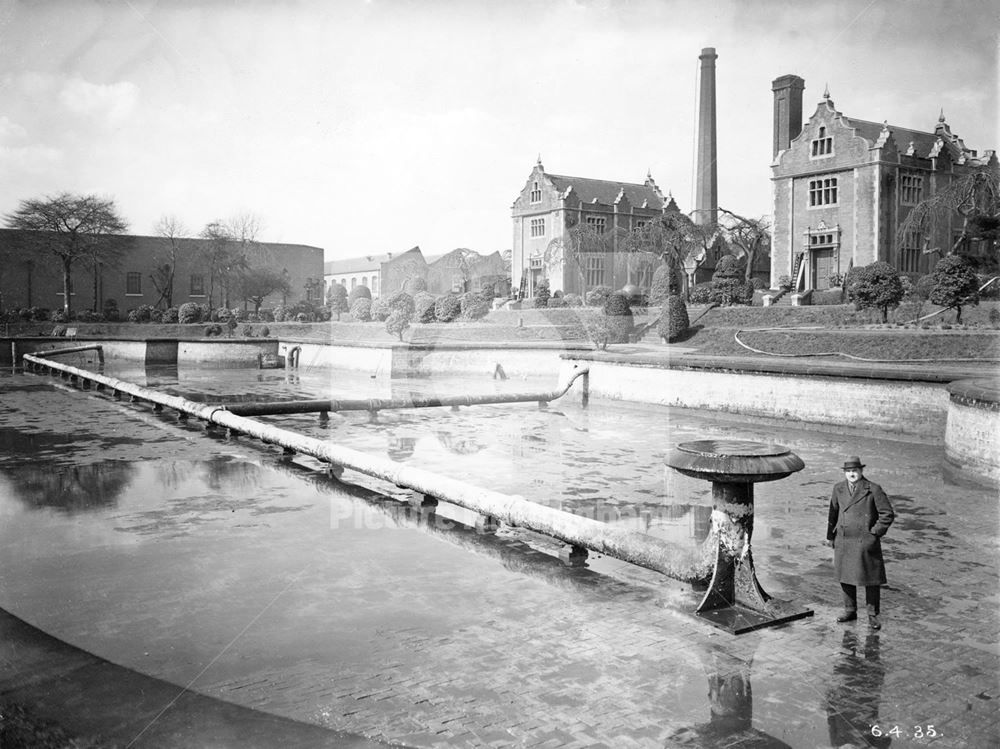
x=787, y=110
x=706, y=200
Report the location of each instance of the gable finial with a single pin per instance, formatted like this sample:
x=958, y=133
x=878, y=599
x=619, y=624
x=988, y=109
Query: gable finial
x=941, y=116
x=826, y=91
x=538, y=162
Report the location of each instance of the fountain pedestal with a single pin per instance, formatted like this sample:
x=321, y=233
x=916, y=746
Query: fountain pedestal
x=735, y=600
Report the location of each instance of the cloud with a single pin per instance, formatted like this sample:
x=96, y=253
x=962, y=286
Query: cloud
x=31, y=158
x=114, y=101
x=10, y=129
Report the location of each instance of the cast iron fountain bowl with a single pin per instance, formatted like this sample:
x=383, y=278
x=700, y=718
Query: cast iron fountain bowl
x=739, y=461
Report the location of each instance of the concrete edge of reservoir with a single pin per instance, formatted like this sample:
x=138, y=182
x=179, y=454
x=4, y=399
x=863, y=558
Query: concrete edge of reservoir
x=912, y=401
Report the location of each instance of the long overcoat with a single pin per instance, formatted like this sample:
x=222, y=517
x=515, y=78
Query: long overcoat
x=856, y=524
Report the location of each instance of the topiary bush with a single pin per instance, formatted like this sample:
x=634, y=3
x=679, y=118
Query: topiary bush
x=188, y=313
x=619, y=313
x=155, y=315
x=877, y=286
x=170, y=315
x=361, y=310
x=573, y=300
x=142, y=313
x=598, y=295
x=109, y=310
x=664, y=284
x=359, y=292
x=336, y=301
x=380, y=309
x=447, y=308
x=264, y=331
x=599, y=328
x=213, y=330
x=59, y=316
x=701, y=293
x=955, y=285
x=398, y=321
x=542, y=294
x=88, y=315
x=556, y=302
x=423, y=307
x=473, y=306
x=400, y=301
x=674, y=319
x=247, y=331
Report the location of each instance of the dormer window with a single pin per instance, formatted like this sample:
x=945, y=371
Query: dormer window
x=822, y=145
x=536, y=193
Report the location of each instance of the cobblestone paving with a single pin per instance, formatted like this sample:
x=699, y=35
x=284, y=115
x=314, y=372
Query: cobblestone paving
x=494, y=642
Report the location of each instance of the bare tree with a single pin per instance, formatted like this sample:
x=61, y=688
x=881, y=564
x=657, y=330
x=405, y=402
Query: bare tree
x=255, y=284
x=171, y=229
x=974, y=198
x=220, y=255
x=749, y=238
x=581, y=244
x=74, y=228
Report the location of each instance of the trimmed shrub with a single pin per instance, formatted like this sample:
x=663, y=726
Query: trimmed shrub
x=336, y=300
x=619, y=313
x=664, y=284
x=730, y=291
x=727, y=268
x=877, y=286
x=361, y=310
x=955, y=285
x=557, y=302
x=542, y=294
x=573, y=300
x=400, y=301
x=597, y=296
x=142, y=313
x=380, y=309
x=474, y=306
x=758, y=283
x=247, y=331
x=213, y=330
x=785, y=283
x=109, y=310
x=447, y=308
x=188, y=313
x=701, y=293
x=398, y=321
x=599, y=328
x=303, y=317
x=359, y=292
x=279, y=313
x=488, y=292
x=673, y=318
x=170, y=315
x=264, y=331
x=423, y=307
x=155, y=315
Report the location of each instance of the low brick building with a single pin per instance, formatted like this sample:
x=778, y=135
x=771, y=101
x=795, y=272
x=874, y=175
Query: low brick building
x=30, y=277
x=843, y=186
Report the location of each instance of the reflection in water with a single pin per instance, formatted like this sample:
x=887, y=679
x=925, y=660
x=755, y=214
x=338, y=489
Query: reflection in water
x=401, y=448
x=460, y=445
x=70, y=489
x=730, y=703
x=854, y=693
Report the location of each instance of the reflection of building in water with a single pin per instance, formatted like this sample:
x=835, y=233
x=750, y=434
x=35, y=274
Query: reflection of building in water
x=854, y=692
x=400, y=448
x=730, y=705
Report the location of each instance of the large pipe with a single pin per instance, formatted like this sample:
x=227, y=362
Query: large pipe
x=380, y=404
x=686, y=564
x=75, y=350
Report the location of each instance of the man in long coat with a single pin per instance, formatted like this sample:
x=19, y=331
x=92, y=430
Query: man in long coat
x=860, y=514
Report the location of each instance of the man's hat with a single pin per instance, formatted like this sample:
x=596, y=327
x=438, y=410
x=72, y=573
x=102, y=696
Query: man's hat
x=853, y=462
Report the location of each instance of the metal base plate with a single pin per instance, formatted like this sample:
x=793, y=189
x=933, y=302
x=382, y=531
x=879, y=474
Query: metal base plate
x=737, y=619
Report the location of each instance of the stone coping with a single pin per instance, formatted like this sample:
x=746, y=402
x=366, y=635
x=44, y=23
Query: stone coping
x=808, y=367
x=979, y=391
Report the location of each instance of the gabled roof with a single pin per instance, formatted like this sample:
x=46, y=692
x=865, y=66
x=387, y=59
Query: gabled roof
x=606, y=192
x=923, y=143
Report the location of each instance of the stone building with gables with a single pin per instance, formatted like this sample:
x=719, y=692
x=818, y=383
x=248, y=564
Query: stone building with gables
x=549, y=205
x=843, y=186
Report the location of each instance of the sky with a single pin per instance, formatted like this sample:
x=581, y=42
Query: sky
x=372, y=126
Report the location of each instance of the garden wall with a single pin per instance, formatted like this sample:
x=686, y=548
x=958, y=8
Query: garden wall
x=972, y=436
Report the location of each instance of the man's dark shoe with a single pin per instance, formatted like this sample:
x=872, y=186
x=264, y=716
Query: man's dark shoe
x=848, y=616
x=874, y=623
